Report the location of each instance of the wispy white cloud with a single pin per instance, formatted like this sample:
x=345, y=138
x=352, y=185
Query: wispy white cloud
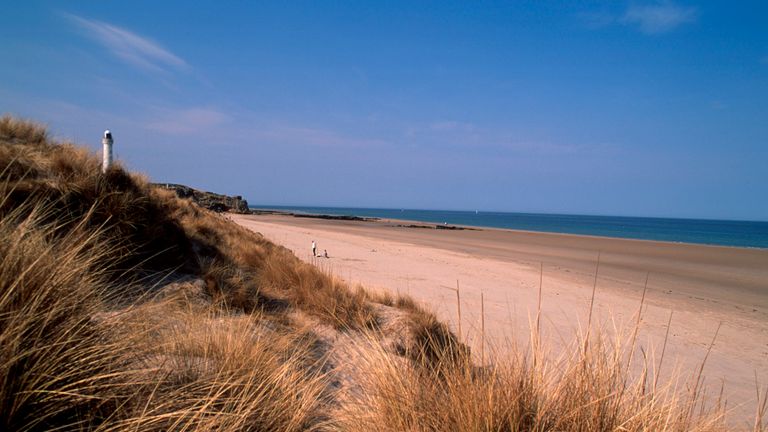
x=471, y=138
x=659, y=18
x=650, y=19
x=222, y=126
x=441, y=128
x=451, y=126
x=133, y=49
x=309, y=136
x=187, y=121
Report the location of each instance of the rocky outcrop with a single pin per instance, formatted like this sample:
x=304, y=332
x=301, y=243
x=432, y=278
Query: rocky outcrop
x=209, y=200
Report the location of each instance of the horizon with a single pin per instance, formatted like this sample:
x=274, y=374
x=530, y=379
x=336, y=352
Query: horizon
x=277, y=207
x=650, y=109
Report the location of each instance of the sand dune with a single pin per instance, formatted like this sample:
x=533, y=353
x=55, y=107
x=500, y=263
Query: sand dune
x=705, y=286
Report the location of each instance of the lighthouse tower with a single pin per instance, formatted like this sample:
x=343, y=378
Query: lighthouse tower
x=107, y=143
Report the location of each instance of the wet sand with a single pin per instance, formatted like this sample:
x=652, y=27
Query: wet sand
x=704, y=286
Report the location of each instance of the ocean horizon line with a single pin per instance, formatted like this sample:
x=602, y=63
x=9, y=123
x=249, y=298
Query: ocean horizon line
x=534, y=213
x=715, y=232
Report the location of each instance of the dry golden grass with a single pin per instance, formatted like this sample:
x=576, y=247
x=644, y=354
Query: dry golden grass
x=52, y=359
x=247, y=272
x=67, y=181
x=70, y=360
x=18, y=131
x=201, y=369
x=523, y=391
x=123, y=307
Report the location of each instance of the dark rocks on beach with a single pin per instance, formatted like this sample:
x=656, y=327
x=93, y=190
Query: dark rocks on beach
x=442, y=227
x=335, y=217
x=449, y=227
x=212, y=201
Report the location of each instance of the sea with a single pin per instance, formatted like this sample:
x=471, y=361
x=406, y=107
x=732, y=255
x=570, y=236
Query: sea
x=749, y=234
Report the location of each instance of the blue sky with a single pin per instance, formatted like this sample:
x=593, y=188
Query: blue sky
x=617, y=108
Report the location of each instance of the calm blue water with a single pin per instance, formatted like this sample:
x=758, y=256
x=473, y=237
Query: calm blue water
x=713, y=232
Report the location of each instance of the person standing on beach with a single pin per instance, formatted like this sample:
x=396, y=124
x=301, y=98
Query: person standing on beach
x=314, y=248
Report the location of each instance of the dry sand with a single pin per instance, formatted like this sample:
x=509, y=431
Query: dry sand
x=705, y=286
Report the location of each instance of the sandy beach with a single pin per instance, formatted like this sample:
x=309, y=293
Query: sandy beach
x=704, y=287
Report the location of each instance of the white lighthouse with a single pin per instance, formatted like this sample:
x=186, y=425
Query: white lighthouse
x=107, y=157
